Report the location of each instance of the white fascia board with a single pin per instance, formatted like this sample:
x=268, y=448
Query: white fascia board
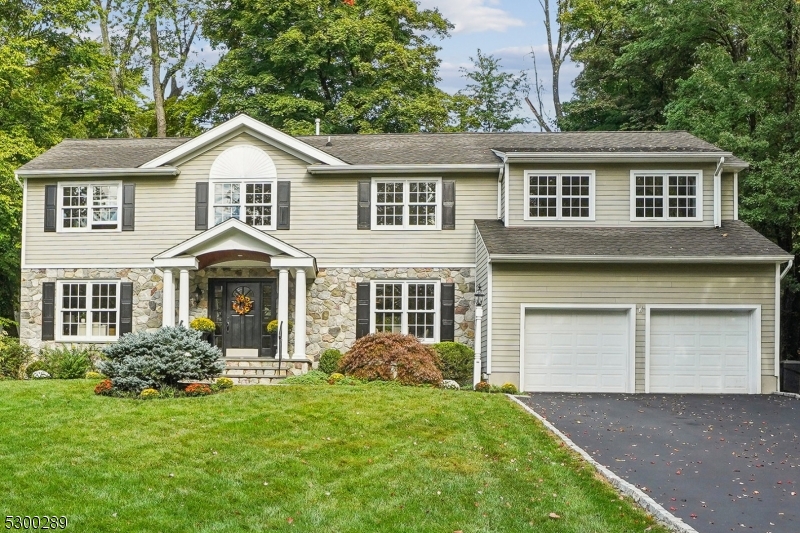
x=401, y=169
x=235, y=225
x=614, y=157
x=512, y=258
x=98, y=172
x=184, y=262
x=245, y=122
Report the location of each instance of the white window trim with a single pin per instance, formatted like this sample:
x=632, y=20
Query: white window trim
x=437, y=305
x=242, y=182
x=526, y=195
x=374, y=204
x=88, y=229
x=59, y=336
x=665, y=173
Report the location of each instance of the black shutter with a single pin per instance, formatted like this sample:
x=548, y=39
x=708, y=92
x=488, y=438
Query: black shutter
x=48, y=310
x=50, y=200
x=362, y=309
x=448, y=205
x=128, y=206
x=284, y=202
x=125, y=308
x=201, y=205
x=448, y=297
x=364, y=194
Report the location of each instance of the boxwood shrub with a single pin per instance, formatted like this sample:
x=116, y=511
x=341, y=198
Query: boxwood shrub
x=456, y=361
x=329, y=360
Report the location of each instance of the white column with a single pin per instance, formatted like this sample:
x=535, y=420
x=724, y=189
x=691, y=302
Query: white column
x=183, y=298
x=299, y=314
x=168, y=303
x=283, y=309
x=476, y=369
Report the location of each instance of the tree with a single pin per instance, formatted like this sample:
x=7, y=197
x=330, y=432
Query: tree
x=492, y=96
x=361, y=66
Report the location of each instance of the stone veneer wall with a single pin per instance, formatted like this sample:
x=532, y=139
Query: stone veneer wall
x=147, y=296
x=331, y=300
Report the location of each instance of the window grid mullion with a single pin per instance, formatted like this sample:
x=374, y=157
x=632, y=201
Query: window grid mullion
x=406, y=204
x=404, y=314
x=665, y=185
x=559, y=200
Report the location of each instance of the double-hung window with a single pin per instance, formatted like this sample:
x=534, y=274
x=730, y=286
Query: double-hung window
x=88, y=310
x=252, y=202
x=408, y=307
x=666, y=195
x=559, y=195
x=406, y=203
x=89, y=207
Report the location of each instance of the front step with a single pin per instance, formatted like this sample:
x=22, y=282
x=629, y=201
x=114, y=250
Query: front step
x=262, y=370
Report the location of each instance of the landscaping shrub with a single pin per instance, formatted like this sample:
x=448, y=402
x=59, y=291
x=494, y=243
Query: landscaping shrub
x=67, y=362
x=198, y=389
x=456, y=361
x=203, y=324
x=483, y=386
x=35, y=366
x=146, y=394
x=162, y=358
x=508, y=388
x=224, y=383
x=390, y=356
x=93, y=375
x=450, y=385
x=350, y=380
x=14, y=357
x=336, y=376
x=329, y=360
x=313, y=377
x=104, y=387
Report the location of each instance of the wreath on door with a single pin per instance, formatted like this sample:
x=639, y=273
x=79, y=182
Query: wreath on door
x=242, y=303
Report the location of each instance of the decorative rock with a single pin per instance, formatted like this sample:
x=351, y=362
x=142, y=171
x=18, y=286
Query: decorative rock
x=41, y=374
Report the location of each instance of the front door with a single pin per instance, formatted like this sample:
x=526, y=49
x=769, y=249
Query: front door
x=242, y=309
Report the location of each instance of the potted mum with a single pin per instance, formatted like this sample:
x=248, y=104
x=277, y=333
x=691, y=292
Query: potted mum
x=206, y=326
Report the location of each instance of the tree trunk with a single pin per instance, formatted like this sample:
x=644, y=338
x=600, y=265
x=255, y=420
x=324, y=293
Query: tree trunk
x=155, y=64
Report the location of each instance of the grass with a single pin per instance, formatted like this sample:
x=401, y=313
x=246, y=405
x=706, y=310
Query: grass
x=294, y=458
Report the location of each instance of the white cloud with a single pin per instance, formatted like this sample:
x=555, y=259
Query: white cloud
x=472, y=16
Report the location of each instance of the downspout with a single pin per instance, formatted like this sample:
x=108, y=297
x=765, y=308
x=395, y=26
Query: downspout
x=778, y=278
x=718, y=193
x=786, y=270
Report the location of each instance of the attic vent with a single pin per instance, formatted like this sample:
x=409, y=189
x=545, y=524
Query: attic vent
x=329, y=143
x=244, y=161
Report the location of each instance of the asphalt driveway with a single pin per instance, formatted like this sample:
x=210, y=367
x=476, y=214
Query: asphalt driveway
x=721, y=463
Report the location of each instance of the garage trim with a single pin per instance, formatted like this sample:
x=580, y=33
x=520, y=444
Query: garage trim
x=754, y=364
x=631, y=309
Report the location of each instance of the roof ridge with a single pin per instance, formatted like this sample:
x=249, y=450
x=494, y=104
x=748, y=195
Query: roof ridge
x=488, y=133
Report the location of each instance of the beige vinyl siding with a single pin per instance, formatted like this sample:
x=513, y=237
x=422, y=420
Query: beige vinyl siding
x=612, y=193
x=516, y=284
x=482, y=267
x=727, y=196
x=503, y=198
x=323, y=220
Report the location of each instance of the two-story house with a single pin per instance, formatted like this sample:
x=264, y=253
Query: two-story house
x=610, y=261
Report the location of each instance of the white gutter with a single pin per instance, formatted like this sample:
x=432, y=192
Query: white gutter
x=788, y=267
x=401, y=169
x=718, y=193
x=98, y=172
x=514, y=258
x=611, y=157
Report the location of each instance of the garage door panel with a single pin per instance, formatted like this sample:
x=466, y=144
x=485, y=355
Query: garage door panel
x=705, y=351
x=576, y=351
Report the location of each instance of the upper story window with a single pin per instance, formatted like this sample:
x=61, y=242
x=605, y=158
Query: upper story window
x=88, y=311
x=407, y=307
x=559, y=195
x=243, y=186
x=666, y=195
x=406, y=203
x=250, y=202
x=89, y=207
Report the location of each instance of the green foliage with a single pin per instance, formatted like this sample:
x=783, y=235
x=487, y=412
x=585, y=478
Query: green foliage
x=68, y=362
x=457, y=361
x=147, y=394
x=390, y=356
x=152, y=360
x=94, y=375
x=224, y=383
x=203, y=324
x=349, y=380
x=14, y=357
x=34, y=366
x=312, y=377
x=493, y=96
x=508, y=388
x=362, y=68
x=329, y=360
x=334, y=378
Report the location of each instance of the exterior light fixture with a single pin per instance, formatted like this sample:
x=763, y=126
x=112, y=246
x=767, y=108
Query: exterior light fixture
x=479, y=296
x=197, y=295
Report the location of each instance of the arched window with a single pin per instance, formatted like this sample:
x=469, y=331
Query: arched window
x=243, y=186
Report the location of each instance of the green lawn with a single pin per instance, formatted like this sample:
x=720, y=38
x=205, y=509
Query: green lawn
x=292, y=458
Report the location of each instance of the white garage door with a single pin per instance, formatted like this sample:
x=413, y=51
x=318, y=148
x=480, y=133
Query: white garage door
x=699, y=351
x=576, y=351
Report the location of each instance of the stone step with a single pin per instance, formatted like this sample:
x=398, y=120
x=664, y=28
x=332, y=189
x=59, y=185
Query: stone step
x=256, y=372
x=263, y=362
x=257, y=380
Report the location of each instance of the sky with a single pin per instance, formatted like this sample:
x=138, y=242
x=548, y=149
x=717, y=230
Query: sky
x=507, y=29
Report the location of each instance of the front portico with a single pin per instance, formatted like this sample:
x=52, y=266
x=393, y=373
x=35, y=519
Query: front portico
x=236, y=244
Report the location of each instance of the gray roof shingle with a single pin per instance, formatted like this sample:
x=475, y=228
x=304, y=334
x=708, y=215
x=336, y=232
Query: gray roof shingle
x=103, y=153
x=734, y=239
x=387, y=149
